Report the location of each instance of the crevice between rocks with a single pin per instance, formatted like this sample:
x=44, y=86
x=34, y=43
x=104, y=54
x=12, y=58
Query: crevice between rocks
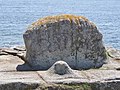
x=14, y=52
x=41, y=77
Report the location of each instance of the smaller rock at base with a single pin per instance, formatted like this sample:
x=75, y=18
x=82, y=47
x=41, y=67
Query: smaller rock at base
x=61, y=68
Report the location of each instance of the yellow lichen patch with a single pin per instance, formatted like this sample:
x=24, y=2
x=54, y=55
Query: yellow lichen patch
x=52, y=19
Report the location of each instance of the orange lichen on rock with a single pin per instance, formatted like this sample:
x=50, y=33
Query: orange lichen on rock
x=52, y=19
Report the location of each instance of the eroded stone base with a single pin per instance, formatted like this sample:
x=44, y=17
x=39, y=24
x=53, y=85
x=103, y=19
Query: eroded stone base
x=16, y=75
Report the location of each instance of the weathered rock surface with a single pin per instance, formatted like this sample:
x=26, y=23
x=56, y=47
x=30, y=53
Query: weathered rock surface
x=20, y=52
x=113, y=53
x=10, y=76
x=20, y=80
x=61, y=68
x=9, y=62
x=13, y=77
x=19, y=48
x=73, y=39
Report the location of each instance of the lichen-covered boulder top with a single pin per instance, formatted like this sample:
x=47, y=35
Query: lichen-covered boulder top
x=70, y=38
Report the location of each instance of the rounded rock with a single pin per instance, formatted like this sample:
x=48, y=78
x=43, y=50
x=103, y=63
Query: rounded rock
x=61, y=68
x=73, y=39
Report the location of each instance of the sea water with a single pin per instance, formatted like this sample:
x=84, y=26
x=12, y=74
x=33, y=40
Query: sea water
x=16, y=15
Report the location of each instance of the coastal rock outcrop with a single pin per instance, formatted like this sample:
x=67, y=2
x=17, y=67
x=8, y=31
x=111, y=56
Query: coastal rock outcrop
x=63, y=43
x=14, y=74
x=73, y=39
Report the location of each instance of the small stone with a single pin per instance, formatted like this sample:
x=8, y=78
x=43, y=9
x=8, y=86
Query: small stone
x=61, y=68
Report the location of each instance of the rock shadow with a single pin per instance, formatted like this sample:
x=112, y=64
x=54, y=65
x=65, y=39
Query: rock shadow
x=24, y=67
x=27, y=67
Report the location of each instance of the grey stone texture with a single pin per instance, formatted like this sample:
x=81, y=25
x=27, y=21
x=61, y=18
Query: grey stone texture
x=61, y=68
x=73, y=39
x=13, y=77
x=113, y=53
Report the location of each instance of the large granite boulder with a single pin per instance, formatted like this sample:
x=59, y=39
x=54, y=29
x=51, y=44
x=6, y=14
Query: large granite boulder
x=73, y=39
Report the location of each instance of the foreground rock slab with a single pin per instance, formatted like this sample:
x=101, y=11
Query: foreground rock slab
x=60, y=47
x=90, y=79
x=87, y=80
x=10, y=63
x=20, y=80
x=53, y=79
x=61, y=73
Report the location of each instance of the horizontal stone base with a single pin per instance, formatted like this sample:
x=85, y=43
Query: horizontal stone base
x=13, y=76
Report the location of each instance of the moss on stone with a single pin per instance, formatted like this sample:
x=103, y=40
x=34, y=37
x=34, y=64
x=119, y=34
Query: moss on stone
x=52, y=19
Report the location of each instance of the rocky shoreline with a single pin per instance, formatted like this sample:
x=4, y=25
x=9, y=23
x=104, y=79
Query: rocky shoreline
x=62, y=52
x=15, y=74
